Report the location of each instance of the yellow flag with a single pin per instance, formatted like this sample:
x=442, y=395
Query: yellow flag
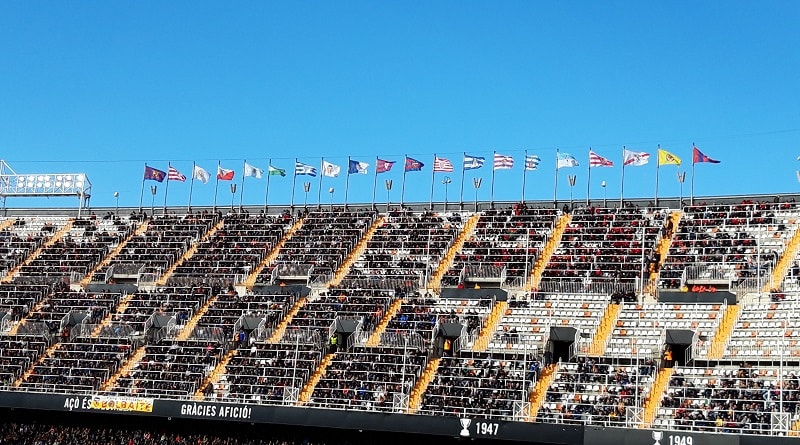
x=667, y=158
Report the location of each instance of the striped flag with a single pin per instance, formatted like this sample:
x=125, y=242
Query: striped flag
x=442, y=165
x=502, y=162
x=473, y=162
x=174, y=175
x=532, y=162
x=595, y=160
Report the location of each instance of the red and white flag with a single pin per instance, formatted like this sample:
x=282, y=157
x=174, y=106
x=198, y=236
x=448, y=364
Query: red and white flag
x=635, y=158
x=442, y=165
x=224, y=174
x=383, y=166
x=502, y=162
x=595, y=160
x=174, y=175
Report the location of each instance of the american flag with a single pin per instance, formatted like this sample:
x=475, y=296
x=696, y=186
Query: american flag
x=442, y=165
x=502, y=162
x=174, y=175
x=595, y=160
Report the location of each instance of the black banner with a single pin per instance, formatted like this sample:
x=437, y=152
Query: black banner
x=617, y=436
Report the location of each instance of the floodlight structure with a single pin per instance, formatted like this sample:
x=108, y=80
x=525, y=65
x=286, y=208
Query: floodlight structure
x=46, y=185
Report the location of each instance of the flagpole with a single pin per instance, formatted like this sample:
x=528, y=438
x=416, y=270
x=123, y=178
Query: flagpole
x=375, y=184
x=241, y=191
x=347, y=183
x=622, y=186
x=433, y=176
x=658, y=165
x=491, y=191
x=191, y=188
x=555, y=185
x=294, y=182
x=691, y=189
x=524, y=173
x=588, y=176
x=266, y=191
x=403, y=186
x=463, y=172
x=216, y=186
x=319, y=192
x=166, y=187
x=141, y=195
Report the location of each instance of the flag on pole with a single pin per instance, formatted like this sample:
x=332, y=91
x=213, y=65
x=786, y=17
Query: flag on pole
x=330, y=170
x=154, y=174
x=566, y=160
x=382, y=166
x=667, y=158
x=595, y=160
x=473, y=162
x=357, y=167
x=304, y=169
x=412, y=165
x=251, y=170
x=502, y=162
x=634, y=158
x=223, y=174
x=442, y=165
x=532, y=162
x=174, y=175
x=275, y=171
x=201, y=174
x=698, y=157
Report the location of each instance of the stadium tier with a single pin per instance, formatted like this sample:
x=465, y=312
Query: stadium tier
x=652, y=324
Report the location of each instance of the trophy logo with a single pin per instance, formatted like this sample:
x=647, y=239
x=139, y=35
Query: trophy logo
x=465, y=423
x=657, y=436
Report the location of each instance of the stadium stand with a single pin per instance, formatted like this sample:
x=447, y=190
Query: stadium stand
x=172, y=314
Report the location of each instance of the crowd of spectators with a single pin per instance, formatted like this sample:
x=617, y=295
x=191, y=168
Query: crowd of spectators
x=589, y=391
x=504, y=239
x=321, y=245
x=404, y=250
x=237, y=247
x=734, y=400
x=78, y=366
x=367, y=305
x=480, y=384
x=368, y=378
x=727, y=236
x=171, y=369
x=602, y=248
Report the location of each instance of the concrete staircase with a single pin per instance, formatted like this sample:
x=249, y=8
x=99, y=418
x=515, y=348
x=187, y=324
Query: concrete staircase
x=216, y=374
x=544, y=258
x=490, y=326
x=415, y=400
x=784, y=263
x=7, y=223
x=162, y=280
x=653, y=401
x=52, y=240
x=114, y=252
x=187, y=329
x=277, y=334
x=537, y=396
x=724, y=330
x=354, y=254
x=308, y=388
x=125, y=369
x=375, y=337
x=603, y=333
x=435, y=281
x=663, y=250
x=250, y=281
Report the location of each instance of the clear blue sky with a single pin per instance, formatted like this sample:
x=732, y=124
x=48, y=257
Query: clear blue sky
x=103, y=87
